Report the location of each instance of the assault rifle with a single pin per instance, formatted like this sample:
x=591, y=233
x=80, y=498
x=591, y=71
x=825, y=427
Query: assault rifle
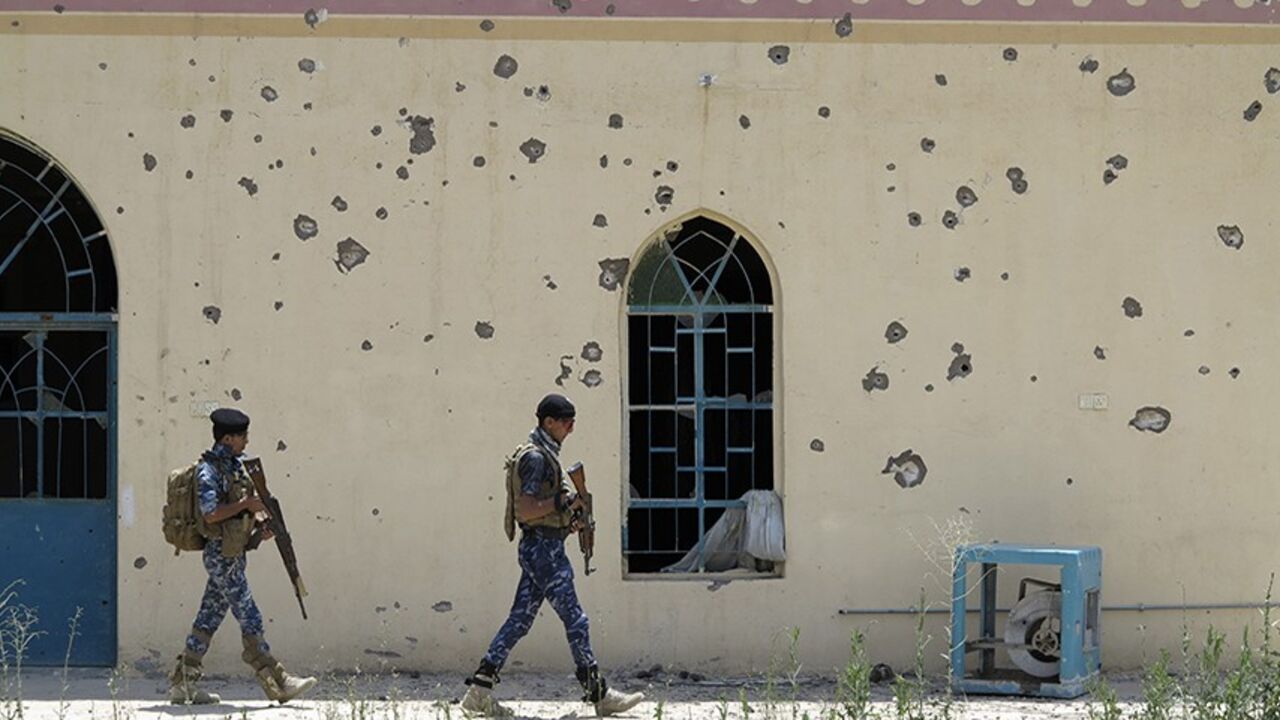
x=587, y=535
x=275, y=522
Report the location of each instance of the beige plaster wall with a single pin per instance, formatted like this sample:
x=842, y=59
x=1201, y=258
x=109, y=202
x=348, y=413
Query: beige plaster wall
x=391, y=470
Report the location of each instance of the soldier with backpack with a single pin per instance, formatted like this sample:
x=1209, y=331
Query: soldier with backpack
x=540, y=499
x=212, y=507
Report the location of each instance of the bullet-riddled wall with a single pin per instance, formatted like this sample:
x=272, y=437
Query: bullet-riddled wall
x=1038, y=256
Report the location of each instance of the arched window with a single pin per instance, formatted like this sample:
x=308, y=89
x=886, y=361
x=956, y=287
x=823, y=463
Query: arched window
x=700, y=338
x=57, y=407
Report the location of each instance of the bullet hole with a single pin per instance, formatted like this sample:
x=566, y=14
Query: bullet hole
x=212, y=313
x=914, y=219
x=950, y=220
x=779, y=54
x=380, y=213
x=1231, y=236
x=428, y=338
x=600, y=221
x=817, y=445
x=424, y=136
x=443, y=606
x=1132, y=308
x=402, y=172
x=533, y=149
x=249, y=186
x=1204, y=370
x=744, y=121
x=279, y=164
x=338, y=203
x=1004, y=276
x=928, y=388
x=891, y=167
x=591, y=378
x=1010, y=54
x=190, y=174
x=1121, y=84
x=1109, y=176
x=544, y=93
x=962, y=273
x=875, y=380
x=1188, y=332
x=350, y=254
x=277, y=305
x=563, y=6
x=148, y=162
x=891, y=188
x=236, y=394
x=907, y=468
x=140, y=562
x=1251, y=112
x=1034, y=378
x=281, y=446
x=307, y=65
x=505, y=67
x=313, y=17
x=1099, y=353
x=257, y=138
x=120, y=210
x=269, y=93
x=528, y=92
x=478, y=161
x=188, y=121
x=484, y=330
x=591, y=352
x=486, y=25
x=376, y=130
x=626, y=162
x=927, y=144
x=1151, y=419
x=366, y=346
x=961, y=364
x=966, y=196
x=612, y=272
x=940, y=79
x=615, y=121
x=551, y=284
x=1088, y=65
x=1070, y=481
x=305, y=227
x=895, y=332
x=1272, y=81
x=275, y=257
x=102, y=66
x=226, y=115
x=604, y=161
x=610, y=9
x=672, y=166
x=845, y=26
x=1234, y=373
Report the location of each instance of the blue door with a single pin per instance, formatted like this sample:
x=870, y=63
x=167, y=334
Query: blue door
x=57, y=416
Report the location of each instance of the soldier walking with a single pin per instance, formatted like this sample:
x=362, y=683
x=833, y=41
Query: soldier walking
x=226, y=518
x=543, y=505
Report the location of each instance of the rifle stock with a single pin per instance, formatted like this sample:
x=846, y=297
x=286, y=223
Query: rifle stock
x=275, y=521
x=587, y=535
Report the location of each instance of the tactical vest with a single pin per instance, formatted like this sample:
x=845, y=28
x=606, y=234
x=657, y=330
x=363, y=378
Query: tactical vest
x=548, y=488
x=234, y=532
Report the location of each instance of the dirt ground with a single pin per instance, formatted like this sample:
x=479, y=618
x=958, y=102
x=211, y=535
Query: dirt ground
x=94, y=694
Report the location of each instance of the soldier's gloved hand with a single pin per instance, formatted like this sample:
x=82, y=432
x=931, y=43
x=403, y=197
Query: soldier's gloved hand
x=565, y=500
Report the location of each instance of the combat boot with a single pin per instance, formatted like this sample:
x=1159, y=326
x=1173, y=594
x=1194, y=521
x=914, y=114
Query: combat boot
x=276, y=682
x=479, y=702
x=615, y=702
x=479, y=698
x=606, y=700
x=182, y=682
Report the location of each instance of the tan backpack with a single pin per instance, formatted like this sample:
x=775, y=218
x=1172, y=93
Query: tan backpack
x=182, y=511
x=513, y=488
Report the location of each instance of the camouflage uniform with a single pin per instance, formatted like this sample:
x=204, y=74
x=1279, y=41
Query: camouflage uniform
x=227, y=587
x=546, y=574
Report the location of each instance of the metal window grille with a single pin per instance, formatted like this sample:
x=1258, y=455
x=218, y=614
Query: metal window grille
x=700, y=389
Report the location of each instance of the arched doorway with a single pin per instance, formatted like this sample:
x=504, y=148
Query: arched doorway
x=58, y=301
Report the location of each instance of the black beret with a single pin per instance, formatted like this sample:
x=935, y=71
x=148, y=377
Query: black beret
x=555, y=406
x=229, y=421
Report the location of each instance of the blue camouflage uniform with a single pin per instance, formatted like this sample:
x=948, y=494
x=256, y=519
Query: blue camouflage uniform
x=227, y=588
x=546, y=573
